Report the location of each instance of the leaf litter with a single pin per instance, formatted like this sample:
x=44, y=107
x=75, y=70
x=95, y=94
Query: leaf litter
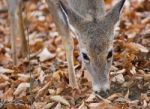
x=129, y=75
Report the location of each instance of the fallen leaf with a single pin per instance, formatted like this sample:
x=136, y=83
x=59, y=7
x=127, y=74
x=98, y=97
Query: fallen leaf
x=42, y=75
x=83, y=106
x=146, y=77
x=58, y=106
x=5, y=70
x=22, y=87
x=108, y=106
x=48, y=106
x=8, y=95
x=43, y=90
x=3, y=78
x=45, y=55
x=60, y=99
x=91, y=97
x=119, y=79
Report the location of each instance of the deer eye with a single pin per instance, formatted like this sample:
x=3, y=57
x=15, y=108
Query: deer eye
x=110, y=54
x=85, y=57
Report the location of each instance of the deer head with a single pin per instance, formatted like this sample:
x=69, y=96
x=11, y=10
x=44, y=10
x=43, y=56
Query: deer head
x=94, y=28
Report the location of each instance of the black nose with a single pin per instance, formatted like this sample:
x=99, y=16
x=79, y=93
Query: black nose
x=103, y=94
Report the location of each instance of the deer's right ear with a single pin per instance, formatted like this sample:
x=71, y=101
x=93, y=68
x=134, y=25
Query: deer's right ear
x=114, y=13
x=72, y=16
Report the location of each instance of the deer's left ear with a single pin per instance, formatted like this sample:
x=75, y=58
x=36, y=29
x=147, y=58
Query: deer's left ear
x=114, y=13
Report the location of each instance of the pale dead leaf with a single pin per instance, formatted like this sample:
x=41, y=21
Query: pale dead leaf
x=5, y=70
x=145, y=104
x=83, y=106
x=48, y=106
x=119, y=79
x=3, y=78
x=118, y=72
x=58, y=106
x=21, y=88
x=45, y=55
x=93, y=105
x=51, y=91
x=127, y=95
x=91, y=97
x=140, y=47
x=23, y=77
x=42, y=75
x=145, y=97
x=114, y=96
x=53, y=34
x=133, y=70
x=60, y=99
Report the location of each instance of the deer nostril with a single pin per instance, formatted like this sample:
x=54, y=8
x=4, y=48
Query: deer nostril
x=96, y=92
x=107, y=92
x=102, y=93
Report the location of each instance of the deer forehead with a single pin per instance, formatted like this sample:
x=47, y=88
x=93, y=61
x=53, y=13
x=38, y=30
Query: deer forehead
x=95, y=29
x=95, y=43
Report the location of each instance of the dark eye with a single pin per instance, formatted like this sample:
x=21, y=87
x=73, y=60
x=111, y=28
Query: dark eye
x=85, y=57
x=110, y=54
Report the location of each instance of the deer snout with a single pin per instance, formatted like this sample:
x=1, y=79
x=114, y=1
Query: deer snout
x=104, y=94
x=102, y=89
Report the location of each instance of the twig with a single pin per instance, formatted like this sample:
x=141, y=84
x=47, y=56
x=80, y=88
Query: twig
x=103, y=99
x=29, y=65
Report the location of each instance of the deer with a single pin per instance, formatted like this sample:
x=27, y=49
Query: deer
x=17, y=28
x=93, y=27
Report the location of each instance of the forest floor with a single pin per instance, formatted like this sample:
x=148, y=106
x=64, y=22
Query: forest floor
x=129, y=75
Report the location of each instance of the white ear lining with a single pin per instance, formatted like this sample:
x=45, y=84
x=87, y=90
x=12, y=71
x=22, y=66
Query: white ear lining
x=63, y=15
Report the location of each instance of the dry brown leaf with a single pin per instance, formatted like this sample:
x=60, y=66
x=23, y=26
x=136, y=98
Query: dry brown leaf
x=146, y=77
x=16, y=106
x=43, y=90
x=39, y=105
x=108, y=106
x=5, y=59
x=4, y=84
x=8, y=95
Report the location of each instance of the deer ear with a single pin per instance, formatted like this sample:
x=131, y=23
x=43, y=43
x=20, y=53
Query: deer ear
x=114, y=13
x=73, y=17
